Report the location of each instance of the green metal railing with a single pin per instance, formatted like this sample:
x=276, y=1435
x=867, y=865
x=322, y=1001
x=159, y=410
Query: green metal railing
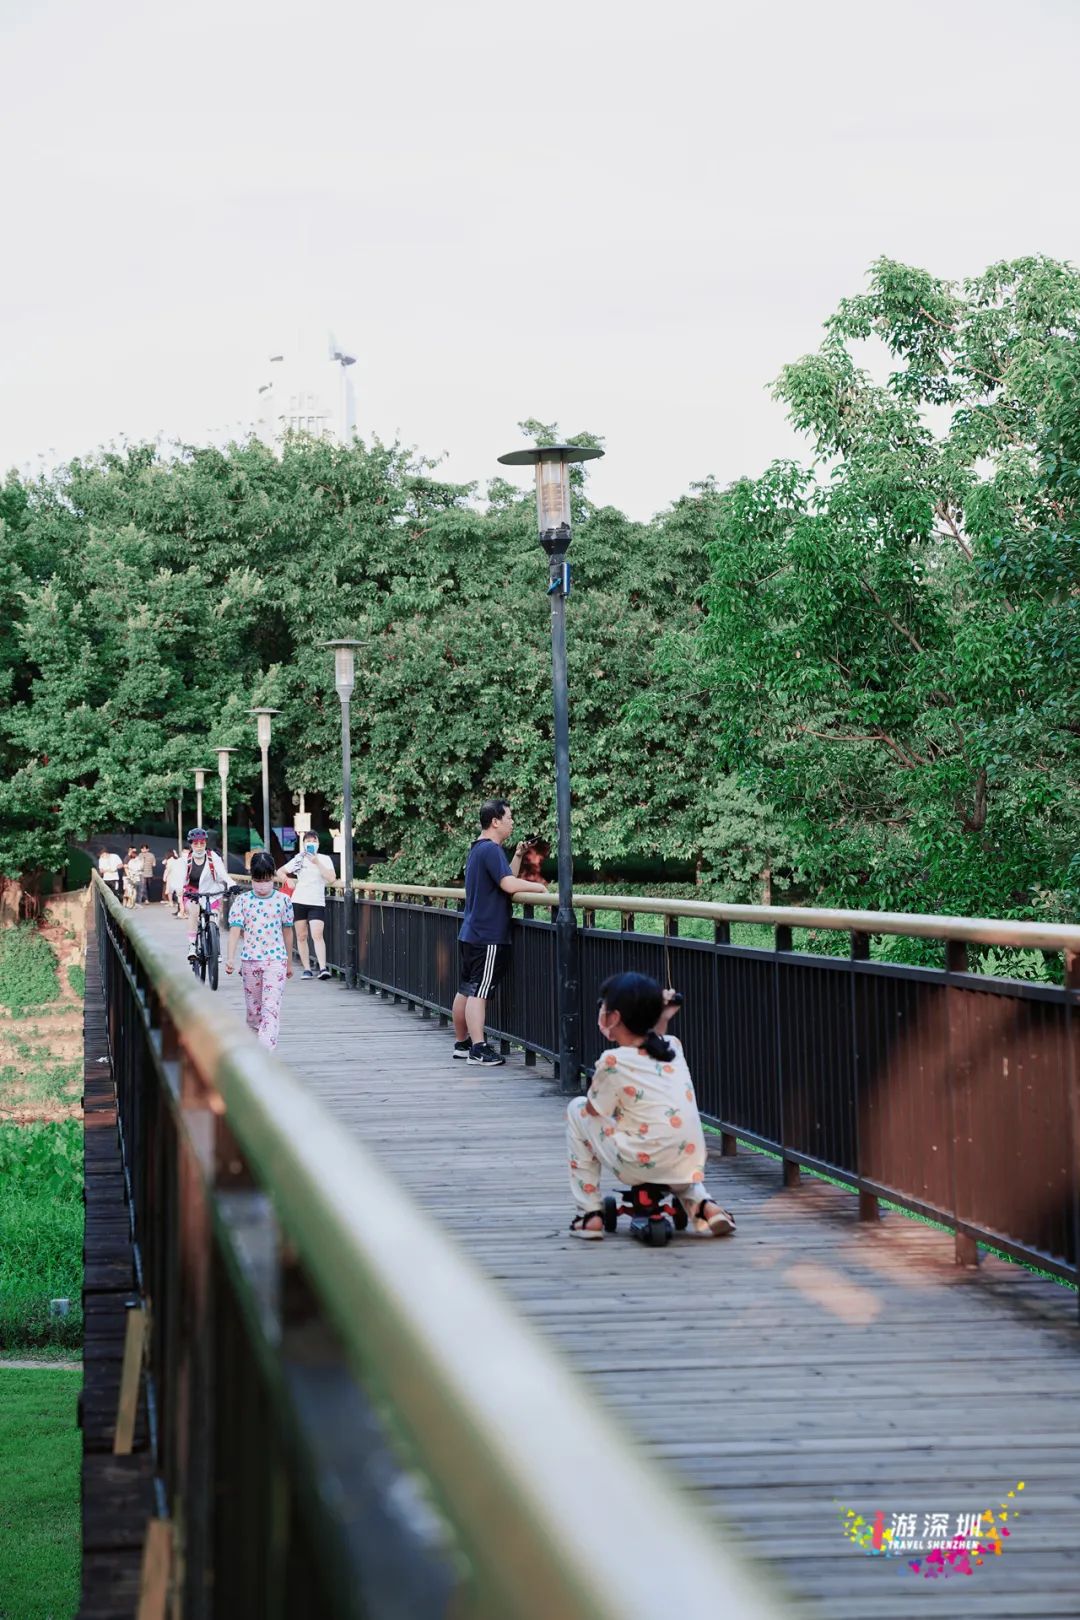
x=349, y=1419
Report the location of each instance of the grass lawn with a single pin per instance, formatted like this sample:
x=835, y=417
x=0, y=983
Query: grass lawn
x=39, y=1495
x=41, y=1229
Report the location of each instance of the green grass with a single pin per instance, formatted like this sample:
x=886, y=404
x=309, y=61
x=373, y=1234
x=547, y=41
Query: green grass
x=39, y=1495
x=76, y=977
x=28, y=969
x=41, y=1233
x=45, y=1082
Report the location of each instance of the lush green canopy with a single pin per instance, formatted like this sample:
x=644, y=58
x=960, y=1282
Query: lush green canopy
x=858, y=676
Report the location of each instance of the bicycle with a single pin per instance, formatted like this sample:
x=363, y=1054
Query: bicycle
x=207, y=959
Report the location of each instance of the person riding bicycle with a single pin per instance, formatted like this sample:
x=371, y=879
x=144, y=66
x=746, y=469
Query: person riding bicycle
x=205, y=873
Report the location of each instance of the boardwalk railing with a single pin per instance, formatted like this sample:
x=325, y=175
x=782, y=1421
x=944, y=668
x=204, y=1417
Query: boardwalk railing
x=950, y=1093
x=344, y=1417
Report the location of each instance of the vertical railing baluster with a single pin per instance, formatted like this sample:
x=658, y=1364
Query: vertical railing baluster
x=956, y=961
x=860, y=952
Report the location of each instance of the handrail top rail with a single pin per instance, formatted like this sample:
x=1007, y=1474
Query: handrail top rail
x=502, y=1425
x=972, y=930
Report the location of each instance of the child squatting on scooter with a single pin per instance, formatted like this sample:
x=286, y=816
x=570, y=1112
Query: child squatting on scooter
x=639, y=1118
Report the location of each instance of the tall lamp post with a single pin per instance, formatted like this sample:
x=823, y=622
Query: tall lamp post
x=553, y=463
x=223, y=772
x=200, y=783
x=264, y=717
x=344, y=681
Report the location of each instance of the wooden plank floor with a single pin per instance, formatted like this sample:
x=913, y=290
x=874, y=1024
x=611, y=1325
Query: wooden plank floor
x=806, y=1365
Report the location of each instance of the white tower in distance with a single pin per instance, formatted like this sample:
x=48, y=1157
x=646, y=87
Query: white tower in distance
x=309, y=390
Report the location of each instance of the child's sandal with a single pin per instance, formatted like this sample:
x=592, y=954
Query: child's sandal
x=721, y=1223
x=579, y=1229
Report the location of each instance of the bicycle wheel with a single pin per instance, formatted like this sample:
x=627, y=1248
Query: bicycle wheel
x=202, y=948
x=213, y=953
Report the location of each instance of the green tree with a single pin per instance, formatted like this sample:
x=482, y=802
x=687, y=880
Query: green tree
x=892, y=632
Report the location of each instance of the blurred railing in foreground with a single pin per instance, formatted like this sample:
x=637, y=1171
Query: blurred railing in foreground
x=344, y=1417
x=951, y=1093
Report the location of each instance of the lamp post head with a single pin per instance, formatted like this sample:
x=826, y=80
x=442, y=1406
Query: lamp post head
x=552, y=463
x=223, y=762
x=264, y=716
x=200, y=778
x=344, y=666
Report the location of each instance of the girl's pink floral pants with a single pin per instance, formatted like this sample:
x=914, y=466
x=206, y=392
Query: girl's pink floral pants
x=264, y=985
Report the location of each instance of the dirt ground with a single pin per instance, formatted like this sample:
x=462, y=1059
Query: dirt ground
x=41, y=1048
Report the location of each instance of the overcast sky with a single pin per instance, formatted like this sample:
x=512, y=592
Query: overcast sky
x=622, y=216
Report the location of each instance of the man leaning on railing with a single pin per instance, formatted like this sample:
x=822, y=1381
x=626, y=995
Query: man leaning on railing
x=484, y=940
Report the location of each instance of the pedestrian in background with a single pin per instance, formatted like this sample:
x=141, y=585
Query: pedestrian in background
x=111, y=868
x=172, y=879
x=132, y=876
x=309, y=872
x=146, y=872
x=265, y=919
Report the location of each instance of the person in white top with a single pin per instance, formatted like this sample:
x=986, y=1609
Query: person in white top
x=310, y=872
x=110, y=866
x=172, y=880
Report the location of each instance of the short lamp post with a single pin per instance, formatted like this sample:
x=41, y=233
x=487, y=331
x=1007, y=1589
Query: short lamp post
x=553, y=463
x=264, y=718
x=223, y=772
x=344, y=681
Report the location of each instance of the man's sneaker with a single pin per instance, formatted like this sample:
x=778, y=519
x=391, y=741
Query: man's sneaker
x=191, y=956
x=307, y=974
x=324, y=973
x=462, y=1049
x=485, y=1056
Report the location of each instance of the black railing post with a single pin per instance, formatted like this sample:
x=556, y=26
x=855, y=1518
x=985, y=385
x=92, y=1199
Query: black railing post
x=956, y=961
x=1072, y=1037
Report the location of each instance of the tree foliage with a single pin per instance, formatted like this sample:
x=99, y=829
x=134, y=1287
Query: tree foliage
x=857, y=675
x=893, y=630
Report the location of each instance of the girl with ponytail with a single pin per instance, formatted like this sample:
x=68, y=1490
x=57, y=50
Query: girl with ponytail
x=640, y=1116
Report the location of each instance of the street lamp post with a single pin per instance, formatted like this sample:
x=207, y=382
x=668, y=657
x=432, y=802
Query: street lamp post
x=264, y=717
x=223, y=772
x=553, y=463
x=200, y=783
x=344, y=681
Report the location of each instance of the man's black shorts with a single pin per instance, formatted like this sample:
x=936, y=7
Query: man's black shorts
x=483, y=968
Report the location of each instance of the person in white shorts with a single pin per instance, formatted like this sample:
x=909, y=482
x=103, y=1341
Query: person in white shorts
x=310, y=872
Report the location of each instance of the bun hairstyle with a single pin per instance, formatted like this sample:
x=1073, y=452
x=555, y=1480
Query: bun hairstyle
x=262, y=866
x=639, y=1001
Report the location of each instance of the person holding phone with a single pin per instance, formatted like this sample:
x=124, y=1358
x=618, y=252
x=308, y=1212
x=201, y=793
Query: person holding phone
x=310, y=872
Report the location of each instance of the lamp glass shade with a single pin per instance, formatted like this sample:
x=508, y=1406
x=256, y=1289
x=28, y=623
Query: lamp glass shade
x=200, y=780
x=344, y=672
x=264, y=730
x=223, y=763
x=552, y=495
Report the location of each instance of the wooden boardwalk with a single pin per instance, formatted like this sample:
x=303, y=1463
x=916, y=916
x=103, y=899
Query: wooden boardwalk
x=802, y=1367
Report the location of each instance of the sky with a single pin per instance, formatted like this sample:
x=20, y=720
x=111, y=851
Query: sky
x=619, y=216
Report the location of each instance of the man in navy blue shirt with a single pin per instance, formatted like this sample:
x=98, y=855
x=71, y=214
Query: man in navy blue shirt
x=484, y=938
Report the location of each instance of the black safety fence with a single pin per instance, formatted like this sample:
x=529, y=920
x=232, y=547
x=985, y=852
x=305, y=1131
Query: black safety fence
x=948, y=1092
x=337, y=1414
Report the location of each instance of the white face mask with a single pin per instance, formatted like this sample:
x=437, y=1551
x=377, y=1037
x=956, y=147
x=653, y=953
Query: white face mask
x=263, y=888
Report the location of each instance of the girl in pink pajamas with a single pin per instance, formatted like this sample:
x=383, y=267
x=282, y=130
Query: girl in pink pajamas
x=265, y=918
